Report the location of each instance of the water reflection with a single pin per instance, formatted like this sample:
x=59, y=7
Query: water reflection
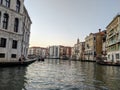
x=60, y=75
x=55, y=75
x=110, y=76
x=102, y=77
x=12, y=78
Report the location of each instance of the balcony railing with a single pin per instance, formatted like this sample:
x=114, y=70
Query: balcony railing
x=112, y=43
x=118, y=41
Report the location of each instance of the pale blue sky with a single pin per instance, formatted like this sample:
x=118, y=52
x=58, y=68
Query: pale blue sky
x=61, y=22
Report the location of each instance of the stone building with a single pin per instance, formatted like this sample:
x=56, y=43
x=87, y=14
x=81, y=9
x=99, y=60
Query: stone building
x=78, y=50
x=54, y=52
x=113, y=40
x=59, y=52
x=65, y=52
x=38, y=51
x=104, y=46
x=90, y=45
x=14, y=30
x=100, y=43
x=94, y=45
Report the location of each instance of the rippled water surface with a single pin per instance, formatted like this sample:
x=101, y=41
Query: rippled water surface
x=60, y=75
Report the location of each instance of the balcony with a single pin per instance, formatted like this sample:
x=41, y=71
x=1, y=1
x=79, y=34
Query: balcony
x=111, y=35
x=112, y=43
x=118, y=41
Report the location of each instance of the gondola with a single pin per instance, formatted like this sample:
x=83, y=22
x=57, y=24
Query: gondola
x=108, y=63
x=41, y=59
x=17, y=63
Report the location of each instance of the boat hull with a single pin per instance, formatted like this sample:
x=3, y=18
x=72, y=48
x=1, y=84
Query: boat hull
x=18, y=63
x=108, y=63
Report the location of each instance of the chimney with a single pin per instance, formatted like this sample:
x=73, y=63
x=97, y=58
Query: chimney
x=99, y=30
x=78, y=41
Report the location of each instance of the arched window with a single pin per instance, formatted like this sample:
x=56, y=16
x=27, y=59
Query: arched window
x=16, y=25
x=1, y=1
x=7, y=3
x=0, y=17
x=18, y=6
x=5, y=21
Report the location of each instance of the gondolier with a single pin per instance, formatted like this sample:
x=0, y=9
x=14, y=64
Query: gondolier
x=22, y=58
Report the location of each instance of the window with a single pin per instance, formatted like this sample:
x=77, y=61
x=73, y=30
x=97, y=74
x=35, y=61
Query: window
x=1, y=1
x=16, y=24
x=7, y=3
x=117, y=56
x=56, y=52
x=2, y=55
x=108, y=56
x=3, y=42
x=13, y=56
x=95, y=54
x=14, y=45
x=5, y=21
x=88, y=46
x=0, y=17
x=18, y=6
x=119, y=46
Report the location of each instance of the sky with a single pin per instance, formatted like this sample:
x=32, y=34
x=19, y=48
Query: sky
x=62, y=22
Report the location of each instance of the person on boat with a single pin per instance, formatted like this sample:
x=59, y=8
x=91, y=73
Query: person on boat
x=22, y=58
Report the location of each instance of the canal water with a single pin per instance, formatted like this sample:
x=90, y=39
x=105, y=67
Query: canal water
x=60, y=75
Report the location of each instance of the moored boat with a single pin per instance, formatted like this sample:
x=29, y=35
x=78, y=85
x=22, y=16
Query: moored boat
x=88, y=60
x=106, y=63
x=41, y=59
x=17, y=63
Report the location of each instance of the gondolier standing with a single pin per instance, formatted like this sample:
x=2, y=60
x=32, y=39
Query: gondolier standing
x=22, y=58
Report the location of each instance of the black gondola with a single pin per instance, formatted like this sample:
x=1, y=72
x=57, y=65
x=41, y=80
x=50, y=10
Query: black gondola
x=17, y=63
x=41, y=59
x=108, y=63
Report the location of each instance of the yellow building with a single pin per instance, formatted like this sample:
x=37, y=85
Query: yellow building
x=113, y=40
x=90, y=47
x=93, y=45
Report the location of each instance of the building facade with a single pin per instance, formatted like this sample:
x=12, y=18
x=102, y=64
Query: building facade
x=90, y=45
x=82, y=51
x=59, y=52
x=65, y=52
x=38, y=51
x=54, y=52
x=68, y=52
x=113, y=40
x=14, y=30
x=78, y=50
x=100, y=43
x=94, y=45
x=73, y=53
x=104, y=46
